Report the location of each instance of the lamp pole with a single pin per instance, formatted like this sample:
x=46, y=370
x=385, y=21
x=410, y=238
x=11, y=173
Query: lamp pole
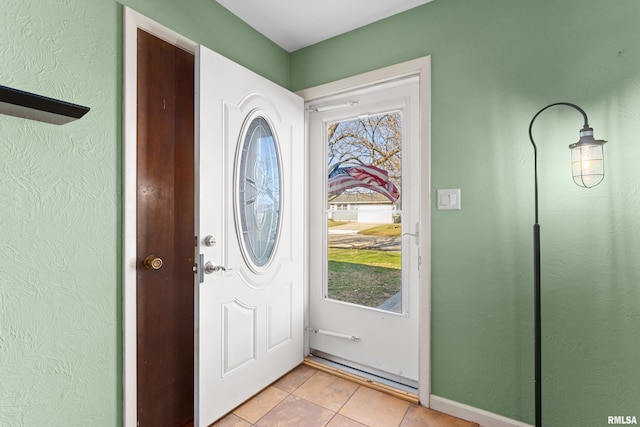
x=588, y=171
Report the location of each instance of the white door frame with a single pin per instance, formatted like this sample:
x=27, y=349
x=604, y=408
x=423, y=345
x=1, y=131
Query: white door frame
x=132, y=21
x=422, y=68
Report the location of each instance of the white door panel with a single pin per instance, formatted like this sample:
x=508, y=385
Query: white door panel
x=249, y=318
x=383, y=340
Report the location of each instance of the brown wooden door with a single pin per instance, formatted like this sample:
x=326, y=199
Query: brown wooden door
x=165, y=224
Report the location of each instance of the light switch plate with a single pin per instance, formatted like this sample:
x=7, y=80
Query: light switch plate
x=449, y=199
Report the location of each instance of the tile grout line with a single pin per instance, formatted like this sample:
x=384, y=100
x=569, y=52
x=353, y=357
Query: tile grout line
x=345, y=403
x=405, y=415
x=314, y=403
x=266, y=413
x=335, y=413
x=289, y=394
x=294, y=387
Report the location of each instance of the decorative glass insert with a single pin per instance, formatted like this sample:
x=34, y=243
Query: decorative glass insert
x=259, y=193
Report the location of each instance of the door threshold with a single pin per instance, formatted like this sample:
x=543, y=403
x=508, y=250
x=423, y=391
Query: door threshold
x=366, y=379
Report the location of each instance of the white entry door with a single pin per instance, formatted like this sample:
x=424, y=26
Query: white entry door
x=365, y=230
x=249, y=298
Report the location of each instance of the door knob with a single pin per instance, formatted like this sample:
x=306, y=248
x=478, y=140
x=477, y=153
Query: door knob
x=209, y=268
x=152, y=262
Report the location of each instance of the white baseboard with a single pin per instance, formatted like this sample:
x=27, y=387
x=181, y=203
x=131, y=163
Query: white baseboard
x=469, y=413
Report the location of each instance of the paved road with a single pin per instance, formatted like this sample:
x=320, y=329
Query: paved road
x=346, y=236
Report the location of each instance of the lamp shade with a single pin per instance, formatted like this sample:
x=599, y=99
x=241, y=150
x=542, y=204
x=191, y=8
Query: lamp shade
x=587, y=159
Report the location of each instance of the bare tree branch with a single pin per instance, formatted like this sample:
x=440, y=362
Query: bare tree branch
x=375, y=140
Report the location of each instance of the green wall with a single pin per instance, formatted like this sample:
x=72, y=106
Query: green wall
x=495, y=63
x=61, y=200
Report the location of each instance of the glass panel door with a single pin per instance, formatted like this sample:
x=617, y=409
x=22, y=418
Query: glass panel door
x=364, y=199
x=364, y=211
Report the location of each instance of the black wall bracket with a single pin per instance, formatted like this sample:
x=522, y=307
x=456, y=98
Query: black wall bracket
x=27, y=105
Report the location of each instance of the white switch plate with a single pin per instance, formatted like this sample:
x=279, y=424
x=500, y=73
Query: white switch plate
x=449, y=199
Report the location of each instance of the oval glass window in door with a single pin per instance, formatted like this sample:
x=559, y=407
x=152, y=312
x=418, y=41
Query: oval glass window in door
x=259, y=196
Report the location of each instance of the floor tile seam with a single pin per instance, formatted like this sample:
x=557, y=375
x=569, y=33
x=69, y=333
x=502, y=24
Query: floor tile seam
x=239, y=416
x=307, y=400
x=305, y=381
x=347, y=401
x=265, y=414
x=406, y=412
x=297, y=387
x=334, y=412
x=290, y=394
x=276, y=405
x=313, y=403
x=359, y=386
x=296, y=397
x=324, y=407
x=244, y=419
x=344, y=416
x=269, y=411
x=330, y=419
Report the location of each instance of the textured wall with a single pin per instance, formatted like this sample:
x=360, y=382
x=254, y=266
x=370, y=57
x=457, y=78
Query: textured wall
x=60, y=200
x=58, y=228
x=495, y=63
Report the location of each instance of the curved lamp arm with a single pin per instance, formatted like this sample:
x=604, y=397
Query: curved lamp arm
x=582, y=149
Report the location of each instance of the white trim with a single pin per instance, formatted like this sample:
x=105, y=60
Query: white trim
x=422, y=68
x=132, y=21
x=469, y=413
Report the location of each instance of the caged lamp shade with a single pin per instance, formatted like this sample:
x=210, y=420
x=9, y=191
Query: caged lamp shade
x=587, y=159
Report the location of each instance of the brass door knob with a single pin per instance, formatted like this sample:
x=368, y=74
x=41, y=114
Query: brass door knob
x=152, y=262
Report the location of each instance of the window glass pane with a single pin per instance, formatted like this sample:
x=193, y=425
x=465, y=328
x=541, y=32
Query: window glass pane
x=364, y=216
x=259, y=196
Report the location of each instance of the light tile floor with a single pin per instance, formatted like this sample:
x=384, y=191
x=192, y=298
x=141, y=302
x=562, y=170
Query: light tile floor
x=307, y=397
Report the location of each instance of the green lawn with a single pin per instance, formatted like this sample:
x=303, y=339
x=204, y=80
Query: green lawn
x=386, y=230
x=381, y=230
x=371, y=257
x=363, y=276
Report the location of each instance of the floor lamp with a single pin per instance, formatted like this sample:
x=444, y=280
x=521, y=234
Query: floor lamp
x=587, y=164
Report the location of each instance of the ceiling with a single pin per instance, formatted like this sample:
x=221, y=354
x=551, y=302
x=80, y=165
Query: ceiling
x=294, y=24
